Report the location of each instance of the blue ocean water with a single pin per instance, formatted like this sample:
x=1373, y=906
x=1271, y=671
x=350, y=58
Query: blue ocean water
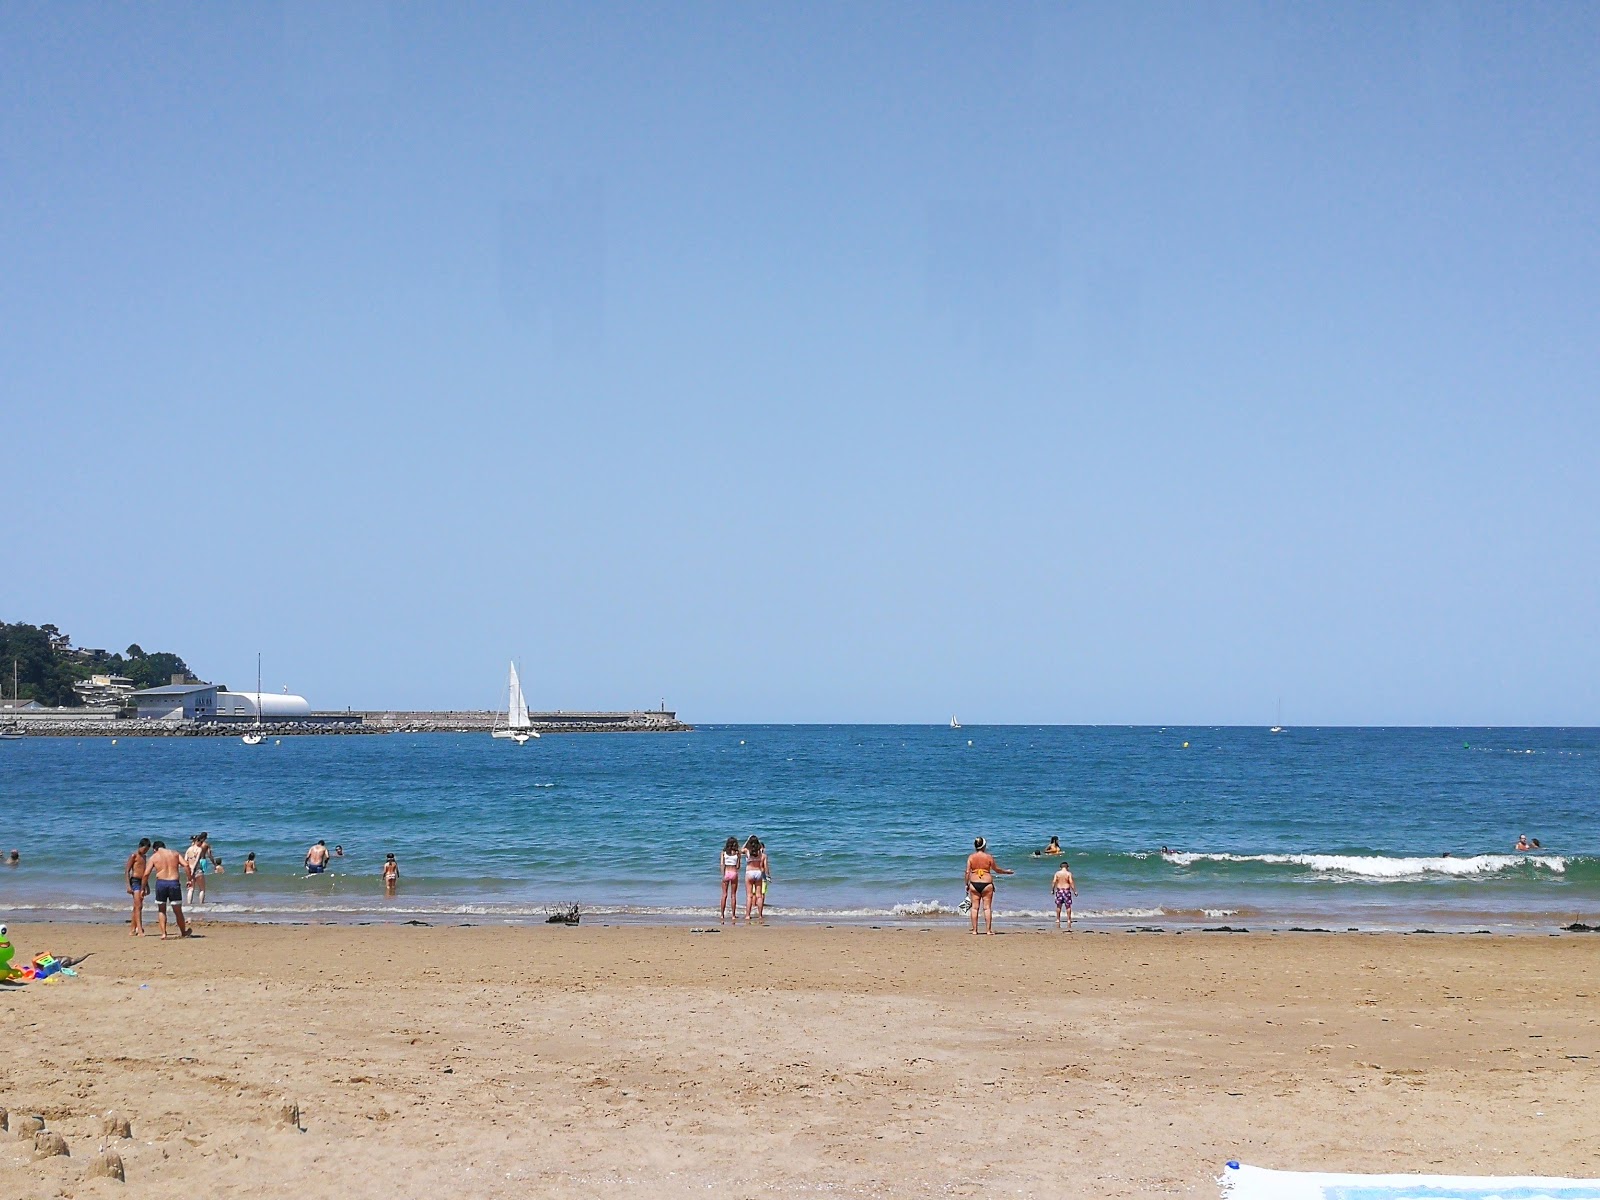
x=1375, y=828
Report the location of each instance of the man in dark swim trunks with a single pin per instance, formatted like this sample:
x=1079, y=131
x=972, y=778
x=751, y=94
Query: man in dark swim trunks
x=317, y=859
x=167, y=866
x=981, y=870
x=134, y=870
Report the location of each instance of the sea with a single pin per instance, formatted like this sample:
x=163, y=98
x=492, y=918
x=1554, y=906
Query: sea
x=1170, y=827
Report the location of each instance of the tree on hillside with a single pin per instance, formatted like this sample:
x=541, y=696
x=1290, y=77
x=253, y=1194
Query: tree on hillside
x=42, y=674
x=47, y=668
x=155, y=670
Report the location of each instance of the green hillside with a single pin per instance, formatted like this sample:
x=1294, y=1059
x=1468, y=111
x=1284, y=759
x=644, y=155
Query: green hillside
x=48, y=664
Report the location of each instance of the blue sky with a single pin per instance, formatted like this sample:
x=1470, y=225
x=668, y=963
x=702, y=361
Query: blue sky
x=814, y=362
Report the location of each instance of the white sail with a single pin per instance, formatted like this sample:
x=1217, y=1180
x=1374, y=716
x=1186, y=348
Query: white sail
x=517, y=710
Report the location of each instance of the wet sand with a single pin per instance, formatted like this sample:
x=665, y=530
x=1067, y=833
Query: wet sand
x=563, y=1062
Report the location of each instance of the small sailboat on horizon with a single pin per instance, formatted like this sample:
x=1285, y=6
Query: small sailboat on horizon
x=518, y=727
x=954, y=724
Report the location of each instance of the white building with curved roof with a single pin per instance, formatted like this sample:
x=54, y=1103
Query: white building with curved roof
x=269, y=706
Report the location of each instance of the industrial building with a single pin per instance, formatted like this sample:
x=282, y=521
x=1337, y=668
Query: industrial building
x=211, y=702
x=178, y=702
x=271, y=706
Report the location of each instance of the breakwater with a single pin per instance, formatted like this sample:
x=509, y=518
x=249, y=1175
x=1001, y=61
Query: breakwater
x=481, y=720
x=352, y=723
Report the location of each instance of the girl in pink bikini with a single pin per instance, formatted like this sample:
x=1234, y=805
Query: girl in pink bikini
x=730, y=860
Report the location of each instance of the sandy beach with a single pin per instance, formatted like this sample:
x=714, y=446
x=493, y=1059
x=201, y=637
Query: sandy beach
x=855, y=1062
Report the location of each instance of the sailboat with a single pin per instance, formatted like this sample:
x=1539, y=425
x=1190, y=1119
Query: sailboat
x=518, y=728
x=1278, y=728
x=954, y=724
x=257, y=734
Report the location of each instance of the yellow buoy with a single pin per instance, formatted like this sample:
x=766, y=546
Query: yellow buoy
x=1186, y=745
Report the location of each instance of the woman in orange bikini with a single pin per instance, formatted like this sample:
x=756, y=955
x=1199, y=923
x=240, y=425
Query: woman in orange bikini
x=981, y=870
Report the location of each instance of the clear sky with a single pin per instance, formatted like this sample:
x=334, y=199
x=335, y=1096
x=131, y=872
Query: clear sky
x=814, y=362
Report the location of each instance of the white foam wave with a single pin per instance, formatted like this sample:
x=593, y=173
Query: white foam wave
x=1377, y=866
x=926, y=908
x=1084, y=914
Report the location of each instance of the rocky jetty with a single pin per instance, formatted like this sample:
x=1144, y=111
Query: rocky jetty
x=359, y=723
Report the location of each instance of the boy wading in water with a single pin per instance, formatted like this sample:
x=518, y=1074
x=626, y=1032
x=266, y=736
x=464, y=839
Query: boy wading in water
x=1061, y=888
x=981, y=871
x=166, y=865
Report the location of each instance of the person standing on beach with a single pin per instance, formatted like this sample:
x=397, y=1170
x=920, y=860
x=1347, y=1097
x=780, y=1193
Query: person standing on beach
x=133, y=869
x=729, y=865
x=981, y=872
x=755, y=880
x=391, y=874
x=1062, y=890
x=194, y=858
x=317, y=859
x=167, y=865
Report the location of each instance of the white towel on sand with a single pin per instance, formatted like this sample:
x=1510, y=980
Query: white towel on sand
x=1255, y=1183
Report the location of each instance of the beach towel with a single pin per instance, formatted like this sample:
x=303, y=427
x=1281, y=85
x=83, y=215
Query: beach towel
x=1255, y=1183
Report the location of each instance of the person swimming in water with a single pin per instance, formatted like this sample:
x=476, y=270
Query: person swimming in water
x=980, y=877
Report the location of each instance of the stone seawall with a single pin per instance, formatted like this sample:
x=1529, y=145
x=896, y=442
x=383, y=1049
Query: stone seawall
x=133, y=727
x=480, y=721
x=363, y=723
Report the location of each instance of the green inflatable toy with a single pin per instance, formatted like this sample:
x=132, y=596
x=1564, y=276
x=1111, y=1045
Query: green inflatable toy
x=6, y=951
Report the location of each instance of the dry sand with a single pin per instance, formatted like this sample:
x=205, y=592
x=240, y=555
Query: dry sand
x=486, y=1062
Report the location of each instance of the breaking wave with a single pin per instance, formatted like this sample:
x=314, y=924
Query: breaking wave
x=1378, y=866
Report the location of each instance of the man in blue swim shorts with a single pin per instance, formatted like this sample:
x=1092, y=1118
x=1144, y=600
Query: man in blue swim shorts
x=317, y=859
x=167, y=867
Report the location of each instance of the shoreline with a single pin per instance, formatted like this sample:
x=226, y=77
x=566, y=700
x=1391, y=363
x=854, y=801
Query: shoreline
x=347, y=1063
x=468, y=917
